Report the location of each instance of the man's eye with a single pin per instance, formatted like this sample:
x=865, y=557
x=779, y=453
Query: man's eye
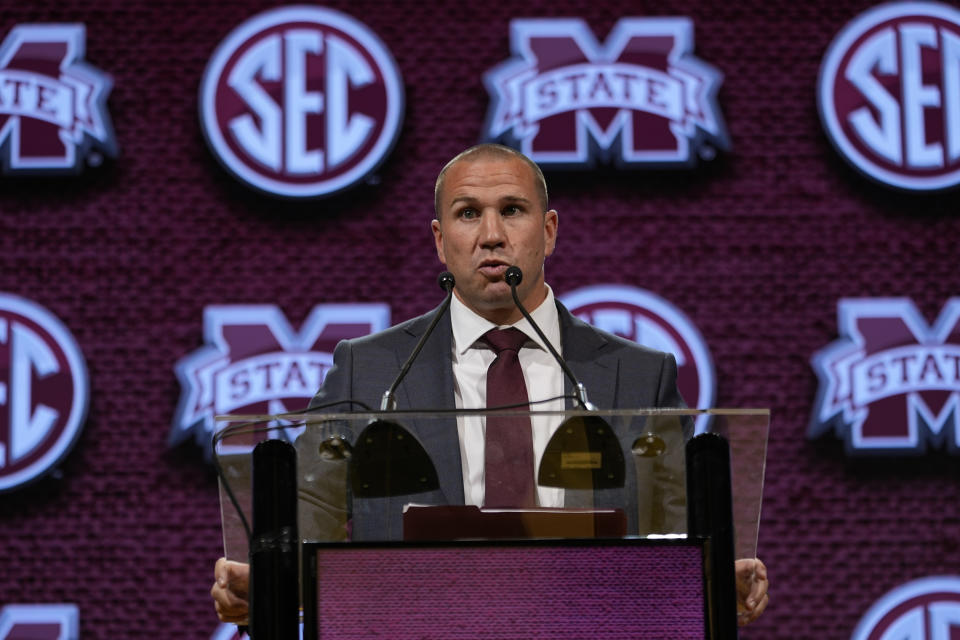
x=511, y=210
x=468, y=213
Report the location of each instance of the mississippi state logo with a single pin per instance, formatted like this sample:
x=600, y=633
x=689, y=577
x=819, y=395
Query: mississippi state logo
x=924, y=609
x=301, y=101
x=40, y=622
x=641, y=98
x=889, y=94
x=890, y=383
x=648, y=319
x=53, y=106
x=254, y=362
x=44, y=391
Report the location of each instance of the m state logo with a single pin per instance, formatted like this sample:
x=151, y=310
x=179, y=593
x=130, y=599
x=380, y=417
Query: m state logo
x=53, y=106
x=641, y=98
x=301, y=101
x=648, y=319
x=40, y=622
x=890, y=383
x=254, y=362
x=924, y=609
x=889, y=94
x=44, y=391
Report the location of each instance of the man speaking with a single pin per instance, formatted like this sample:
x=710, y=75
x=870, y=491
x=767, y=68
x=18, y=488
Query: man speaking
x=491, y=214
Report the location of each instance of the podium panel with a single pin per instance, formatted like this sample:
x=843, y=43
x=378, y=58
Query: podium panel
x=557, y=589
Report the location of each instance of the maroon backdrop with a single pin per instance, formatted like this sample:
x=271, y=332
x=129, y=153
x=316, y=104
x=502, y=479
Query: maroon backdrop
x=756, y=247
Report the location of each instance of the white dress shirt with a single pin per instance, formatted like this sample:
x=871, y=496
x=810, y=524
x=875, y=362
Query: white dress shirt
x=541, y=373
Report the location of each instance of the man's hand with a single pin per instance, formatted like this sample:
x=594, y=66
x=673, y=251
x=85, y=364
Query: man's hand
x=229, y=591
x=752, y=586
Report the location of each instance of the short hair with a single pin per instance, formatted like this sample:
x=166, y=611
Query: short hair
x=491, y=150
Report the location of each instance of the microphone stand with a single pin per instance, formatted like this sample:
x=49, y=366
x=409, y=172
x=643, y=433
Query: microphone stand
x=513, y=277
x=387, y=460
x=586, y=437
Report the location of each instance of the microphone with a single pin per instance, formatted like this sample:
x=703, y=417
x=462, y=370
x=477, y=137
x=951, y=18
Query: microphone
x=587, y=438
x=446, y=282
x=387, y=459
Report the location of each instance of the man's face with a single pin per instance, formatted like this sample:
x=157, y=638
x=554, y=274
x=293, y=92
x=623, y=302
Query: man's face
x=491, y=218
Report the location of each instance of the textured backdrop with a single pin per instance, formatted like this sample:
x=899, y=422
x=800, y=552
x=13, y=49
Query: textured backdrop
x=756, y=247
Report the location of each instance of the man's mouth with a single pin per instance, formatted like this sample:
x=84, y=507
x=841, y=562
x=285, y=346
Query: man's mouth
x=493, y=268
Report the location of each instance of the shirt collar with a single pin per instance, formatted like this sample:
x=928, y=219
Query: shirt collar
x=468, y=327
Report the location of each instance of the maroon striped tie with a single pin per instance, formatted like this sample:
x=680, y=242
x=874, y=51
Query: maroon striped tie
x=508, y=453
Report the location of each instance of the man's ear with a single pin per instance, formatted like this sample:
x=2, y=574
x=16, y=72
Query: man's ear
x=551, y=221
x=438, y=239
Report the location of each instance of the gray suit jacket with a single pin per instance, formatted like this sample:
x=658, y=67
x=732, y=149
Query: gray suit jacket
x=616, y=372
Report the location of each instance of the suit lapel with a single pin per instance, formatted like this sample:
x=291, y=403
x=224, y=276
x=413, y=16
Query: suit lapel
x=585, y=349
x=590, y=356
x=429, y=387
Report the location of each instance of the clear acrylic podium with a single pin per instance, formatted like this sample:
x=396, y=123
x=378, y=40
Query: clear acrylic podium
x=391, y=549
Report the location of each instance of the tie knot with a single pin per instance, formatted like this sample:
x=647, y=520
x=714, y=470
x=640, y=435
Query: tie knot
x=505, y=339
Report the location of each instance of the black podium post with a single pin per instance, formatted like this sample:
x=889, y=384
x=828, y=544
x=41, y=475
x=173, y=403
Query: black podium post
x=274, y=586
x=710, y=515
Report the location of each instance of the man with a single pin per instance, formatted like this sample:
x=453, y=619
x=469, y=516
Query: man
x=491, y=213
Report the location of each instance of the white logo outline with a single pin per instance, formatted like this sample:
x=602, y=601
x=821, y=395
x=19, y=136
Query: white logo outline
x=73, y=425
x=67, y=615
x=87, y=84
x=834, y=55
x=241, y=34
x=671, y=315
x=196, y=406
x=899, y=595
x=696, y=76
x=835, y=408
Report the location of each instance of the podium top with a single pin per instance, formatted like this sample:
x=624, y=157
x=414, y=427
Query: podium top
x=361, y=474
x=326, y=414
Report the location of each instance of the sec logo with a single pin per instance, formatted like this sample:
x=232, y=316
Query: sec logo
x=648, y=319
x=925, y=609
x=44, y=391
x=889, y=94
x=301, y=101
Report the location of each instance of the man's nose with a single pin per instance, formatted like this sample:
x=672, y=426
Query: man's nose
x=492, y=231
